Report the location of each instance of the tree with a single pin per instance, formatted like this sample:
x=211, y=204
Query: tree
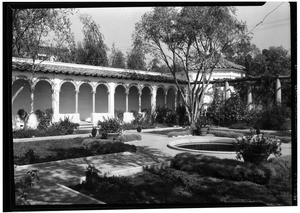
x=191, y=37
x=155, y=66
x=93, y=50
x=136, y=57
x=34, y=29
x=117, y=58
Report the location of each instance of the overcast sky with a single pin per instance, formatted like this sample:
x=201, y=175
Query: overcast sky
x=117, y=24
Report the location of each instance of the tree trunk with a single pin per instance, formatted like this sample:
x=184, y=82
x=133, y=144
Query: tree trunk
x=16, y=94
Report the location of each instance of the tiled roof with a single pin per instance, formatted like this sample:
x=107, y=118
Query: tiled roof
x=94, y=72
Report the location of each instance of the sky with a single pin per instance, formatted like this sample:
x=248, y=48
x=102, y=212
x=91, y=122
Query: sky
x=117, y=24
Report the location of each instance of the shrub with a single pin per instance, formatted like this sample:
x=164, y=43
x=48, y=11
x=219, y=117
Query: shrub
x=119, y=115
x=182, y=117
x=273, y=118
x=239, y=126
x=226, y=134
x=129, y=137
x=221, y=168
x=45, y=118
x=110, y=125
x=161, y=114
x=257, y=148
x=30, y=157
x=171, y=118
x=63, y=127
x=25, y=133
x=112, y=147
x=181, y=133
x=91, y=176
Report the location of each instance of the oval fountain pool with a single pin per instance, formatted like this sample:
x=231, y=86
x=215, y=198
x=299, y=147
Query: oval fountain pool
x=217, y=146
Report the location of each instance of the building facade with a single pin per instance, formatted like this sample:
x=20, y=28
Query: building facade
x=92, y=93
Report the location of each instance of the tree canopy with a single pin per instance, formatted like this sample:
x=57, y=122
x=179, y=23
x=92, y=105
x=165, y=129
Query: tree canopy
x=117, y=58
x=37, y=28
x=188, y=37
x=93, y=49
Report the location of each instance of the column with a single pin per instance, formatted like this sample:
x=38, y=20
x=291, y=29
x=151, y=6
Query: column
x=140, y=101
x=227, y=91
x=249, y=98
x=76, y=100
x=126, y=95
x=55, y=104
x=94, y=102
x=153, y=99
x=32, y=99
x=111, y=98
x=278, y=91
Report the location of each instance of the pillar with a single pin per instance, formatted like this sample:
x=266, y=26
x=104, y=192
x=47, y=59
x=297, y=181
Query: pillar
x=153, y=99
x=76, y=100
x=140, y=101
x=55, y=103
x=165, y=93
x=94, y=102
x=126, y=96
x=111, y=98
x=249, y=98
x=32, y=99
x=227, y=90
x=278, y=91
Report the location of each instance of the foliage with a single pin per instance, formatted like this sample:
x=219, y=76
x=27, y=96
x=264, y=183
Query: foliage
x=190, y=37
x=109, y=125
x=172, y=186
x=119, y=115
x=91, y=175
x=136, y=57
x=93, y=50
x=223, y=169
x=129, y=137
x=45, y=118
x=94, y=132
x=166, y=116
x=240, y=125
x=117, y=58
x=24, y=116
x=63, y=127
x=61, y=149
x=257, y=148
x=229, y=134
x=273, y=118
x=37, y=28
x=23, y=186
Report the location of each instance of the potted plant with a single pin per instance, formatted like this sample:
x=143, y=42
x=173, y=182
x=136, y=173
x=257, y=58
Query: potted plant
x=255, y=148
x=138, y=120
x=110, y=128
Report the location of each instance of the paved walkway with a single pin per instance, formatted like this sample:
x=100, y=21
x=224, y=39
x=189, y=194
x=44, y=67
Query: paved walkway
x=55, y=176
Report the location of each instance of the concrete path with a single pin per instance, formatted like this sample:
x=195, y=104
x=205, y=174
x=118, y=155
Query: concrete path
x=152, y=150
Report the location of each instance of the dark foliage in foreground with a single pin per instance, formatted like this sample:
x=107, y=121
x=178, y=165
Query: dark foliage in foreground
x=194, y=184
x=53, y=150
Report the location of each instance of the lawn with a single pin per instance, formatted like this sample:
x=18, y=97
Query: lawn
x=53, y=150
x=198, y=180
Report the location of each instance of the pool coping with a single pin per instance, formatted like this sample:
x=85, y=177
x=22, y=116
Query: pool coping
x=174, y=144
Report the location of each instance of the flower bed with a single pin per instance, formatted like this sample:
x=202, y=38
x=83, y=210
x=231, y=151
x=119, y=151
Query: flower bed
x=53, y=150
x=188, y=184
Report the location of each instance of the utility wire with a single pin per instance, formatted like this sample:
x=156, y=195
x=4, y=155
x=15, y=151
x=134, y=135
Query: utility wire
x=265, y=18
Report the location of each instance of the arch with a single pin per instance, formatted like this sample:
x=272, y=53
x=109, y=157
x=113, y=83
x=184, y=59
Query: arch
x=42, y=95
x=122, y=85
x=120, y=97
x=148, y=86
x=172, y=87
x=104, y=84
x=69, y=81
x=85, y=101
x=101, y=98
x=67, y=97
x=160, y=97
x=134, y=85
x=146, y=99
x=171, y=98
x=23, y=99
x=133, y=98
x=84, y=82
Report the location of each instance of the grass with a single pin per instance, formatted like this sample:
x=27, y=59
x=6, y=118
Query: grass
x=53, y=150
x=177, y=186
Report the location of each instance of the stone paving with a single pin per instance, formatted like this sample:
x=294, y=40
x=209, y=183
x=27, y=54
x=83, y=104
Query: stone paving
x=152, y=150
